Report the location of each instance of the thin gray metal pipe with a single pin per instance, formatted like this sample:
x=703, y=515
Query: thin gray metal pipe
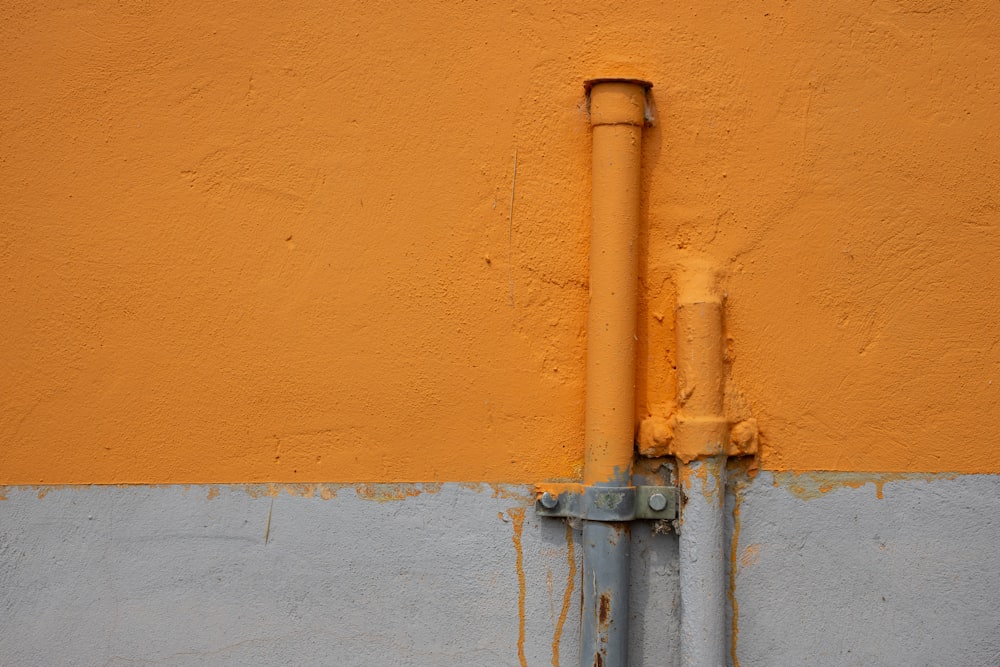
x=606, y=548
x=703, y=564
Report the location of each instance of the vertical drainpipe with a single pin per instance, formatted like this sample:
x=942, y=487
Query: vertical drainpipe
x=617, y=116
x=700, y=440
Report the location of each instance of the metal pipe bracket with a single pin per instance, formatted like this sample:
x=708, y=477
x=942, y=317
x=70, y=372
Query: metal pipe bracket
x=608, y=503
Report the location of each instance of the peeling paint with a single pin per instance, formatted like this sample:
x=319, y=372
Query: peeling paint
x=375, y=492
x=324, y=491
x=389, y=492
x=502, y=491
x=707, y=471
x=812, y=485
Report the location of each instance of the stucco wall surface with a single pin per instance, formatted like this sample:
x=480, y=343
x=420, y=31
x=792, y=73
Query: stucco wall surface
x=347, y=245
x=828, y=570
x=379, y=575
x=839, y=570
x=304, y=242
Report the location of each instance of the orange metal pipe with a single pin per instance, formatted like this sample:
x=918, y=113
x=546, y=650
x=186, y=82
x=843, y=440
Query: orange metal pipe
x=702, y=429
x=700, y=354
x=617, y=114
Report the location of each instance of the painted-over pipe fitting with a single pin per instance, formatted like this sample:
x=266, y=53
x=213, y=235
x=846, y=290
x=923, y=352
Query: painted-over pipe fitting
x=617, y=101
x=701, y=427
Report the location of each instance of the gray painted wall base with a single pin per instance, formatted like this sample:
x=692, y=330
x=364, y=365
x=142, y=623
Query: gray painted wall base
x=845, y=578
x=165, y=575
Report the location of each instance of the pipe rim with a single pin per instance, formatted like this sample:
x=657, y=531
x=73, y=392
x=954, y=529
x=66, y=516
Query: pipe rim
x=590, y=83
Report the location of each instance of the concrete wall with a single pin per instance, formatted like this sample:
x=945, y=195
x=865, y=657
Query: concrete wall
x=897, y=570
x=282, y=242
x=339, y=254
x=873, y=571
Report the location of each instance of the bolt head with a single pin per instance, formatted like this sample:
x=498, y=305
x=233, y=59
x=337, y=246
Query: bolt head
x=549, y=500
x=657, y=502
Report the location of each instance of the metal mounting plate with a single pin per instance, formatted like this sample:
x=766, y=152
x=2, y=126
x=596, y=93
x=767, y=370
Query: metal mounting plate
x=608, y=503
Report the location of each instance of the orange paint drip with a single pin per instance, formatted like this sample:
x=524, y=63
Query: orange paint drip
x=702, y=473
x=567, y=596
x=709, y=487
x=516, y=515
x=684, y=477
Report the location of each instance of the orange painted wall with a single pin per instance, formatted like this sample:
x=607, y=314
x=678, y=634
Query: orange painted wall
x=274, y=241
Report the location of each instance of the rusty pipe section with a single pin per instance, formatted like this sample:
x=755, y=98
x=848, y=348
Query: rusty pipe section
x=700, y=439
x=617, y=116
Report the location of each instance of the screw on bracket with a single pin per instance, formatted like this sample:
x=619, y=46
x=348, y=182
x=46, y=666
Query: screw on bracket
x=657, y=502
x=549, y=501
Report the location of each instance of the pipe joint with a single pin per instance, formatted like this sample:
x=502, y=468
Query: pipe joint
x=697, y=437
x=618, y=101
x=689, y=437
